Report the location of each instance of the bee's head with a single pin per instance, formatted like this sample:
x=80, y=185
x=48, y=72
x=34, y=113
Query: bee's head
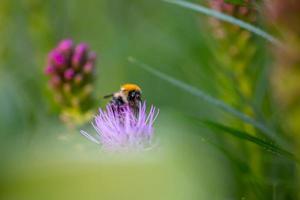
x=133, y=92
x=134, y=95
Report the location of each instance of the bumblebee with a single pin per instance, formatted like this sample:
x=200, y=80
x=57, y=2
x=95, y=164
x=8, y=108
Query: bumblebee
x=129, y=94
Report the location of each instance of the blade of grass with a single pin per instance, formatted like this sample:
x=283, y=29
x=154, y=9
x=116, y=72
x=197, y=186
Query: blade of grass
x=227, y=18
x=246, y=136
x=216, y=102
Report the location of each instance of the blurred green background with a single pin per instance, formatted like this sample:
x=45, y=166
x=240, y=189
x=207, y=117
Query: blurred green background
x=41, y=158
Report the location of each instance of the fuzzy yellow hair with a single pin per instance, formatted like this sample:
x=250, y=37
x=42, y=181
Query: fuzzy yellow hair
x=130, y=87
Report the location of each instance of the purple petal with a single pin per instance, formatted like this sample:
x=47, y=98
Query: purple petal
x=91, y=138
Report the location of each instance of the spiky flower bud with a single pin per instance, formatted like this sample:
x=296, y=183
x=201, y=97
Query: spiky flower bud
x=71, y=69
x=234, y=52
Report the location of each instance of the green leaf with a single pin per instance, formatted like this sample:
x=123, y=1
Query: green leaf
x=227, y=18
x=213, y=101
x=268, y=146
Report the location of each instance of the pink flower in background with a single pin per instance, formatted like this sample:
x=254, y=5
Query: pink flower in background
x=71, y=66
x=68, y=61
x=70, y=69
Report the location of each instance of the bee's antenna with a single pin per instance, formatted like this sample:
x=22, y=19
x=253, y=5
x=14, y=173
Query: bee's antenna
x=108, y=96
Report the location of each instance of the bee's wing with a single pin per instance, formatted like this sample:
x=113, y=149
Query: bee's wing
x=108, y=96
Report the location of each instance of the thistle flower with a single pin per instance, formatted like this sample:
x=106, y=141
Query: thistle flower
x=71, y=71
x=120, y=128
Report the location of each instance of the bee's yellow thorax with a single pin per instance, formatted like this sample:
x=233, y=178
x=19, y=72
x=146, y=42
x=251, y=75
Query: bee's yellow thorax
x=130, y=87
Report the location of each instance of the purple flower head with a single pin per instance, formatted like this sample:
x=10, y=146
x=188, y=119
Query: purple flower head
x=121, y=128
x=70, y=70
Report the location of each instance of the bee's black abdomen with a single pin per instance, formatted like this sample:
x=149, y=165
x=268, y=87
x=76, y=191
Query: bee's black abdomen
x=117, y=105
x=117, y=101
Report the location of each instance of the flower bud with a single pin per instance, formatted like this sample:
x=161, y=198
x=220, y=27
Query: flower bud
x=57, y=59
x=79, y=56
x=65, y=45
x=69, y=74
x=88, y=68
